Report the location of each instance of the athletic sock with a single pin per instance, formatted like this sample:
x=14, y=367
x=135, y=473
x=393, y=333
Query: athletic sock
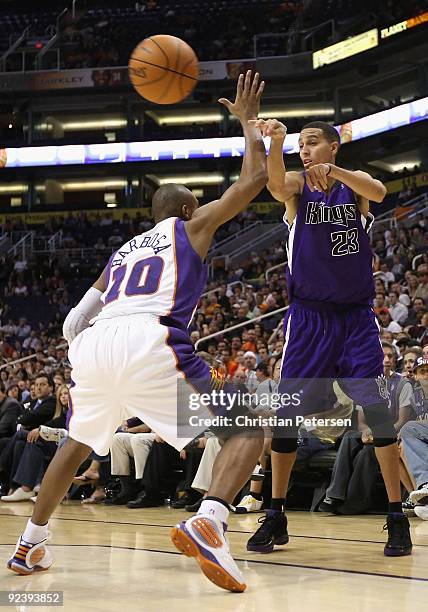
x=278, y=504
x=34, y=534
x=395, y=507
x=216, y=507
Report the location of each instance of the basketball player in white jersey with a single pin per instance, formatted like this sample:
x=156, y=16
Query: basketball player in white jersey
x=128, y=362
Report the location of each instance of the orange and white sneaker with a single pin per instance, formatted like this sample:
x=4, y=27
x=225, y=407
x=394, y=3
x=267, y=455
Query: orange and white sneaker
x=29, y=558
x=203, y=536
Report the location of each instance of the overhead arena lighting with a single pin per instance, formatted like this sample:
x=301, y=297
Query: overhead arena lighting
x=80, y=125
x=191, y=179
x=197, y=148
x=315, y=109
x=93, y=185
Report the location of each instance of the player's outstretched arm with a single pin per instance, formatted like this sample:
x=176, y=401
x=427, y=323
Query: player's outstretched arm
x=360, y=182
x=253, y=177
x=282, y=185
x=89, y=306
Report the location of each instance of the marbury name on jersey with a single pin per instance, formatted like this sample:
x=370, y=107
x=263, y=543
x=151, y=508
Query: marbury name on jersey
x=318, y=212
x=156, y=242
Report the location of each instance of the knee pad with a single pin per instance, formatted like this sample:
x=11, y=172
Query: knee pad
x=380, y=421
x=284, y=440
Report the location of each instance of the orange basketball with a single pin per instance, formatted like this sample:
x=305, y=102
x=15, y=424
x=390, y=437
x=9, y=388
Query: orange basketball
x=163, y=69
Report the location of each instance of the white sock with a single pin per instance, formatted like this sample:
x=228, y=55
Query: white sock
x=34, y=534
x=215, y=508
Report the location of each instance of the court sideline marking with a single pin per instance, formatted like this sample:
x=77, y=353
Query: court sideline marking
x=259, y=562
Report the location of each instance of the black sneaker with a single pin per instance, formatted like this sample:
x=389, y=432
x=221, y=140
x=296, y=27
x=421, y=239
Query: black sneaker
x=186, y=500
x=399, y=542
x=273, y=530
x=330, y=506
x=194, y=507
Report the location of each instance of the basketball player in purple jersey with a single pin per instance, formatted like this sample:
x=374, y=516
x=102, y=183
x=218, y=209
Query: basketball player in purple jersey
x=330, y=330
x=129, y=361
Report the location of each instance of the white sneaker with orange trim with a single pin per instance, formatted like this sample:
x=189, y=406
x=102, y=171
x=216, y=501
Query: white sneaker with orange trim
x=29, y=558
x=203, y=536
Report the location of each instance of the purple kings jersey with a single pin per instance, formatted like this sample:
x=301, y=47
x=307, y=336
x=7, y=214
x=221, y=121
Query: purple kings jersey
x=329, y=252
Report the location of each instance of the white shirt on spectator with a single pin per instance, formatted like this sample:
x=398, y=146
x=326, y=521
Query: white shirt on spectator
x=387, y=277
x=394, y=327
x=399, y=312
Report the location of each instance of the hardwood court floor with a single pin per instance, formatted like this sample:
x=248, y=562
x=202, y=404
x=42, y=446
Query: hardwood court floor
x=113, y=558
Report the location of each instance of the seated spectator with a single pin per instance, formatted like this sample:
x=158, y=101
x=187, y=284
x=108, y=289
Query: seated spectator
x=29, y=467
x=229, y=364
x=10, y=410
x=422, y=288
x=414, y=442
x=420, y=331
x=398, y=268
x=356, y=467
x=131, y=444
x=379, y=302
x=40, y=412
x=416, y=311
x=397, y=310
x=160, y=463
x=14, y=392
x=386, y=321
x=250, y=360
x=253, y=500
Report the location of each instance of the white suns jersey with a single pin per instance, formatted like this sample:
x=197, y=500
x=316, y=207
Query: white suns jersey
x=156, y=272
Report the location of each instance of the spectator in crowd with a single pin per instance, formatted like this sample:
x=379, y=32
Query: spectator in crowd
x=250, y=360
x=397, y=310
x=253, y=500
x=409, y=359
x=159, y=464
x=416, y=311
x=422, y=288
x=355, y=467
x=132, y=443
x=10, y=410
x=29, y=421
x=36, y=453
x=414, y=441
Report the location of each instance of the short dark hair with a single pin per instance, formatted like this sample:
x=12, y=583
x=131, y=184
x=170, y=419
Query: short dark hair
x=330, y=132
x=48, y=378
x=386, y=344
x=263, y=368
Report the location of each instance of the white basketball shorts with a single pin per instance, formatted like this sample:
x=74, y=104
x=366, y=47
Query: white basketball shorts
x=128, y=367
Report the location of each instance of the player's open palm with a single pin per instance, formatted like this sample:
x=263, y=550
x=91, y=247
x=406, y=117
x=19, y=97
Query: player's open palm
x=270, y=127
x=247, y=101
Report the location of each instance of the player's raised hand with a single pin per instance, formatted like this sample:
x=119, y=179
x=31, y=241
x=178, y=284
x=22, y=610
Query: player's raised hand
x=247, y=100
x=270, y=127
x=316, y=177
